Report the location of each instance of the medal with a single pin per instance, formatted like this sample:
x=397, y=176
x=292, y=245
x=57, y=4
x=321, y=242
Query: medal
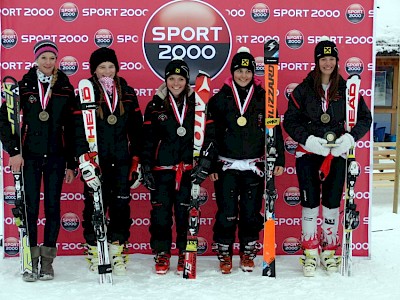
x=181, y=131
x=325, y=118
x=330, y=137
x=241, y=121
x=43, y=116
x=112, y=119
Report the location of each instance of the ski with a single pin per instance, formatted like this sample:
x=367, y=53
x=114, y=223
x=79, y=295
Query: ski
x=202, y=94
x=271, y=60
x=10, y=92
x=351, y=215
x=88, y=107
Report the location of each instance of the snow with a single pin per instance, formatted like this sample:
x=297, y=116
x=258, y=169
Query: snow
x=375, y=278
x=387, y=26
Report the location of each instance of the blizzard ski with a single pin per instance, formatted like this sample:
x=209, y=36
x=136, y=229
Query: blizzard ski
x=88, y=106
x=202, y=94
x=351, y=215
x=10, y=92
x=271, y=60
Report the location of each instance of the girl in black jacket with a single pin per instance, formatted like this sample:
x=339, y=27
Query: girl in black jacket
x=119, y=133
x=317, y=111
x=47, y=100
x=235, y=137
x=167, y=162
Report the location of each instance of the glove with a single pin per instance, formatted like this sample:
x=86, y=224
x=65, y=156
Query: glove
x=316, y=145
x=344, y=143
x=90, y=170
x=201, y=170
x=148, y=179
x=135, y=174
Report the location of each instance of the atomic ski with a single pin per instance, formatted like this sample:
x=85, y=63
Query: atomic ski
x=10, y=92
x=202, y=94
x=351, y=215
x=271, y=60
x=88, y=106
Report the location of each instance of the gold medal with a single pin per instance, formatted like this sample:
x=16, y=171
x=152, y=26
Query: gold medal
x=43, y=116
x=181, y=131
x=241, y=121
x=325, y=118
x=112, y=119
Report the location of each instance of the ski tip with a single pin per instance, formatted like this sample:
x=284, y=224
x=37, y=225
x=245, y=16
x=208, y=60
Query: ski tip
x=203, y=73
x=354, y=75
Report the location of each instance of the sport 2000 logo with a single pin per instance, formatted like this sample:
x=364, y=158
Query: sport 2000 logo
x=202, y=38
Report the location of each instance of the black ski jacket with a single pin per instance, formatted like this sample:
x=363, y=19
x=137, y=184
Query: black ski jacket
x=117, y=143
x=231, y=140
x=41, y=138
x=303, y=116
x=162, y=145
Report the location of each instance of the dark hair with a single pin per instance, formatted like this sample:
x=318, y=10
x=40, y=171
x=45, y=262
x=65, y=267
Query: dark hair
x=334, y=79
x=119, y=90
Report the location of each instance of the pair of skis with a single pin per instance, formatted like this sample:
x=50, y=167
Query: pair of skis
x=271, y=60
x=10, y=92
x=88, y=107
x=202, y=94
x=351, y=215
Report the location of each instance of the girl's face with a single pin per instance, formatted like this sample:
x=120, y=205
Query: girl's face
x=176, y=84
x=242, y=76
x=105, y=69
x=327, y=64
x=46, y=63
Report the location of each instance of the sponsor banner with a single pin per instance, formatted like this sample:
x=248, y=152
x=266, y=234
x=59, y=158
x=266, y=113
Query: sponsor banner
x=206, y=34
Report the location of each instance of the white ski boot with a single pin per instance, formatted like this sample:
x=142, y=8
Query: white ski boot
x=92, y=258
x=329, y=261
x=117, y=259
x=309, y=262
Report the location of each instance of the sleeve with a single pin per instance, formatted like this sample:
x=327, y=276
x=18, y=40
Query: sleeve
x=69, y=128
x=150, y=136
x=280, y=147
x=209, y=148
x=80, y=144
x=135, y=123
x=364, y=120
x=294, y=118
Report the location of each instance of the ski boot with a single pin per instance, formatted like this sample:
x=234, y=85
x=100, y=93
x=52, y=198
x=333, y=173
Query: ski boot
x=329, y=261
x=162, y=260
x=224, y=254
x=92, y=257
x=181, y=263
x=118, y=260
x=248, y=255
x=309, y=262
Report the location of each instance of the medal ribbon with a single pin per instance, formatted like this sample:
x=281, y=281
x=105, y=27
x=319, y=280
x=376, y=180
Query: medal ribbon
x=44, y=98
x=325, y=101
x=242, y=109
x=178, y=117
x=112, y=106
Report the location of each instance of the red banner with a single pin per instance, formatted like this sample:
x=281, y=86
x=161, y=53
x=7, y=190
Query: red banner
x=146, y=35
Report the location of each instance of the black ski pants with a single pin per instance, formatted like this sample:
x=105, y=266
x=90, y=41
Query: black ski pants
x=239, y=197
x=168, y=202
x=307, y=169
x=116, y=198
x=52, y=170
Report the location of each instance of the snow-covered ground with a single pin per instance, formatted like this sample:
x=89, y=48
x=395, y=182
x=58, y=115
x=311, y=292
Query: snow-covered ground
x=387, y=25
x=375, y=278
